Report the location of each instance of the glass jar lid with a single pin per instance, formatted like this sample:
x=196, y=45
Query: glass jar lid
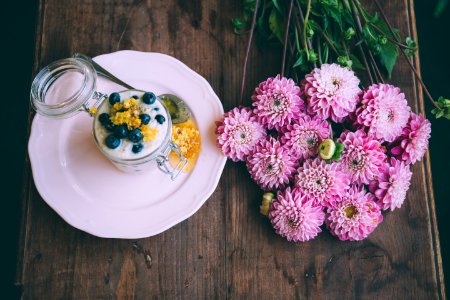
x=63, y=88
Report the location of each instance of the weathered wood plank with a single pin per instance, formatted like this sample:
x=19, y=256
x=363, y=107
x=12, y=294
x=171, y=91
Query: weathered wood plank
x=226, y=250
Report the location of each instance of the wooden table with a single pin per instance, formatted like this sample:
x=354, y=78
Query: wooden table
x=227, y=249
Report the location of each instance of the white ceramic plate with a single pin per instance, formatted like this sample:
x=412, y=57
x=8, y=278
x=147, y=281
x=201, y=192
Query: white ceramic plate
x=87, y=191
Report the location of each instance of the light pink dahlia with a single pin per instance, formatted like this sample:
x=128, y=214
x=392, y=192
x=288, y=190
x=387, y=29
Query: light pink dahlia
x=305, y=135
x=239, y=132
x=392, y=184
x=355, y=216
x=270, y=164
x=384, y=111
x=322, y=182
x=277, y=101
x=295, y=217
x=413, y=143
x=331, y=92
x=362, y=156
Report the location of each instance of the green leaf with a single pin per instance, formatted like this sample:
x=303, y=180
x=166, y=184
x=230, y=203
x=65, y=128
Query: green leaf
x=388, y=57
x=276, y=24
x=439, y=8
x=357, y=65
x=332, y=9
x=238, y=25
x=277, y=6
x=300, y=60
x=337, y=153
x=412, y=44
x=387, y=53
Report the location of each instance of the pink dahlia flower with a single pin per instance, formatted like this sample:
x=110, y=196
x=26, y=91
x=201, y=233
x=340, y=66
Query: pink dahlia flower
x=295, y=217
x=384, y=111
x=239, y=132
x=305, y=135
x=392, y=184
x=355, y=216
x=322, y=182
x=270, y=164
x=362, y=156
x=413, y=143
x=331, y=91
x=277, y=101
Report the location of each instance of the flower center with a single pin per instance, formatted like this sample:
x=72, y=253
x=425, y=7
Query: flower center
x=336, y=82
x=308, y=140
x=243, y=134
x=356, y=162
x=280, y=103
x=350, y=211
x=272, y=166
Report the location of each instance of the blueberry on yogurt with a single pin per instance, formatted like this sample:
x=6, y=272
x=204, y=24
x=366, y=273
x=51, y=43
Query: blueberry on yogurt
x=112, y=142
x=114, y=98
x=160, y=119
x=137, y=148
x=145, y=118
x=135, y=135
x=148, y=98
x=121, y=131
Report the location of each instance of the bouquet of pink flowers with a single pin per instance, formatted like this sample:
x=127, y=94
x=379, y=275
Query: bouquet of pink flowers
x=331, y=152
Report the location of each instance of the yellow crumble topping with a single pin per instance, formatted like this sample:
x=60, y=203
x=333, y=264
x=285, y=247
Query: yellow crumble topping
x=148, y=132
x=187, y=138
x=92, y=111
x=127, y=113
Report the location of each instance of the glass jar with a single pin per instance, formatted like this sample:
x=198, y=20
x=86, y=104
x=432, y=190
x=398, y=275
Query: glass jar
x=68, y=86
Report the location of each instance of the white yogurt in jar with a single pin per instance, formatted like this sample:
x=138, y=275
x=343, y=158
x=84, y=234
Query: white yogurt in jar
x=124, y=150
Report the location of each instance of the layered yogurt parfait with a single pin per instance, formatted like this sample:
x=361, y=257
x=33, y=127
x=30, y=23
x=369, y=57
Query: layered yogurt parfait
x=131, y=125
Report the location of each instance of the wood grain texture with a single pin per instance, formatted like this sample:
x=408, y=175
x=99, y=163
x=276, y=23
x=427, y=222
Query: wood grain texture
x=226, y=249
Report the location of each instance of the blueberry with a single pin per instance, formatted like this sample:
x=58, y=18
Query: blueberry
x=149, y=98
x=135, y=97
x=145, y=118
x=160, y=119
x=110, y=126
x=135, y=135
x=114, y=98
x=112, y=142
x=137, y=148
x=156, y=108
x=121, y=131
x=104, y=119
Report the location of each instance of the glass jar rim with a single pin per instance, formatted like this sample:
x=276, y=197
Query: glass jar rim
x=48, y=76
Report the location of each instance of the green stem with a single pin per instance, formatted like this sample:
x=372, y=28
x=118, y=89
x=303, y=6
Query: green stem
x=286, y=35
x=389, y=38
x=406, y=56
x=249, y=44
x=305, y=26
x=359, y=31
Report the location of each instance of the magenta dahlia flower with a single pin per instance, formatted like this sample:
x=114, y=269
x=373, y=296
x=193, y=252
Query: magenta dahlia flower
x=392, y=184
x=322, y=182
x=362, y=156
x=270, y=164
x=384, y=111
x=355, y=216
x=413, y=143
x=331, y=92
x=305, y=135
x=277, y=101
x=296, y=217
x=239, y=132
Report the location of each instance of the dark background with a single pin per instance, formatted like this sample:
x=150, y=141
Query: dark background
x=17, y=46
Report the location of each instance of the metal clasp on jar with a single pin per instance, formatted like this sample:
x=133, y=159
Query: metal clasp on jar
x=163, y=161
x=94, y=102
